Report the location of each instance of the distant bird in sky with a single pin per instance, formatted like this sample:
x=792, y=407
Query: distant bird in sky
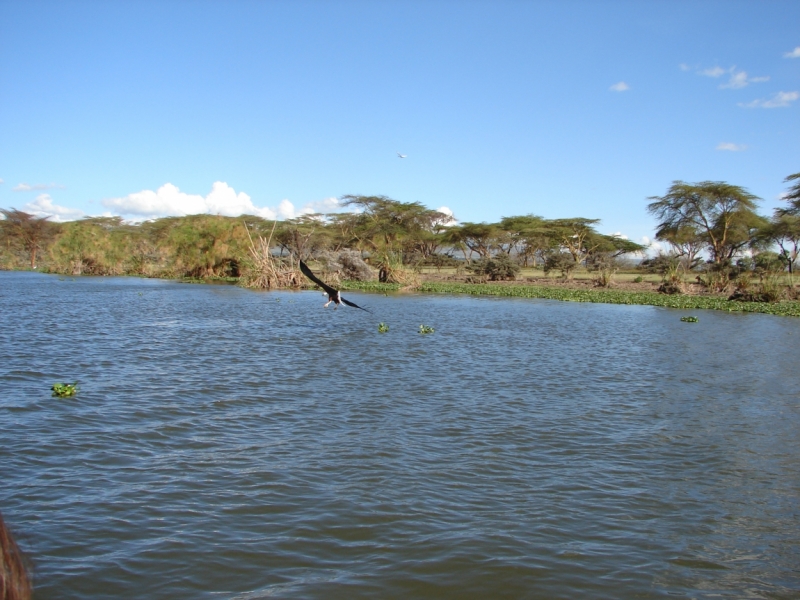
x=333, y=295
x=401, y=155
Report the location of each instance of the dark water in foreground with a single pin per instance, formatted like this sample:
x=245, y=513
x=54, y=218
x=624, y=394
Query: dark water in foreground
x=233, y=444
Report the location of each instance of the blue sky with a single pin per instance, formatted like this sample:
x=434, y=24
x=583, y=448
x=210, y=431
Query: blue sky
x=574, y=108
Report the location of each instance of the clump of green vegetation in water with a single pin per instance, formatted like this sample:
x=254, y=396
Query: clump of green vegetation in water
x=64, y=390
x=425, y=329
x=689, y=319
x=383, y=328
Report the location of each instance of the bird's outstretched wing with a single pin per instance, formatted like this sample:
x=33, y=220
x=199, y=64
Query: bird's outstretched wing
x=354, y=305
x=308, y=273
x=332, y=293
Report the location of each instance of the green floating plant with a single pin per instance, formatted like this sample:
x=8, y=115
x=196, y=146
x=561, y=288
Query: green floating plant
x=689, y=319
x=64, y=390
x=383, y=328
x=425, y=329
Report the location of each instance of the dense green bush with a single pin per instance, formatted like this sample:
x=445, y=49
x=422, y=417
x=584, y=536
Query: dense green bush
x=495, y=268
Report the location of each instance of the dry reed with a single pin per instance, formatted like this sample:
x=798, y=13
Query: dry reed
x=267, y=271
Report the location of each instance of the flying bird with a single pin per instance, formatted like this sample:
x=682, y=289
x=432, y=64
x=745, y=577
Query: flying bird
x=333, y=295
x=401, y=155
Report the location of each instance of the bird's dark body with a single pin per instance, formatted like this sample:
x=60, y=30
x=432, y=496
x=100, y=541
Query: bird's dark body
x=333, y=294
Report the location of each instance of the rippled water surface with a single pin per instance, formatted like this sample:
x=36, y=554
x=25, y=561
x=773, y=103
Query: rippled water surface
x=234, y=444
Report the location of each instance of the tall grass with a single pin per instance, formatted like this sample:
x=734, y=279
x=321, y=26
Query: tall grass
x=266, y=271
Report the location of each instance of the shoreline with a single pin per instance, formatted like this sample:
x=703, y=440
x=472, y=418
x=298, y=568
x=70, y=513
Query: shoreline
x=787, y=308
x=569, y=292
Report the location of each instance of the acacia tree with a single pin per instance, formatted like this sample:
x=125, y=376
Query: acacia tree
x=526, y=235
x=604, y=257
x=576, y=236
x=24, y=230
x=792, y=197
x=429, y=237
x=722, y=215
x=473, y=237
x=390, y=229
x=686, y=244
x=784, y=228
x=302, y=236
x=784, y=231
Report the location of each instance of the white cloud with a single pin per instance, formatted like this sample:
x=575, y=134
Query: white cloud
x=739, y=79
x=779, y=100
x=793, y=54
x=713, y=72
x=620, y=87
x=24, y=187
x=652, y=246
x=1, y=181
x=287, y=210
x=328, y=205
x=684, y=67
x=451, y=222
x=43, y=206
x=168, y=200
x=730, y=146
x=619, y=234
x=445, y=211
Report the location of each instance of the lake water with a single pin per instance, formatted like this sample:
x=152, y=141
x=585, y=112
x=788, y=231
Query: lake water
x=227, y=443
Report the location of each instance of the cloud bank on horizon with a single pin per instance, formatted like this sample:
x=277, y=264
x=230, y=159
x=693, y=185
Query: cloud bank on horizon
x=169, y=201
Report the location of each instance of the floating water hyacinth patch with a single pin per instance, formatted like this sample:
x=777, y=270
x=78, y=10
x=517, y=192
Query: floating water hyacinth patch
x=64, y=390
x=425, y=329
x=689, y=319
x=383, y=328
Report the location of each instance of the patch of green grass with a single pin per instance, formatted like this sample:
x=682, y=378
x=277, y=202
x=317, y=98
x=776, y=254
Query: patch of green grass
x=230, y=280
x=370, y=286
x=425, y=329
x=383, y=328
x=786, y=308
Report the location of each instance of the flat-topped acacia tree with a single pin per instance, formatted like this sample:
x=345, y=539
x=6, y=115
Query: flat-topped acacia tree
x=722, y=215
x=784, y=228
x=27, y=231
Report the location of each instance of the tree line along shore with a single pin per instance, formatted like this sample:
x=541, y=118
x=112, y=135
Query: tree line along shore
x=722, y=253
